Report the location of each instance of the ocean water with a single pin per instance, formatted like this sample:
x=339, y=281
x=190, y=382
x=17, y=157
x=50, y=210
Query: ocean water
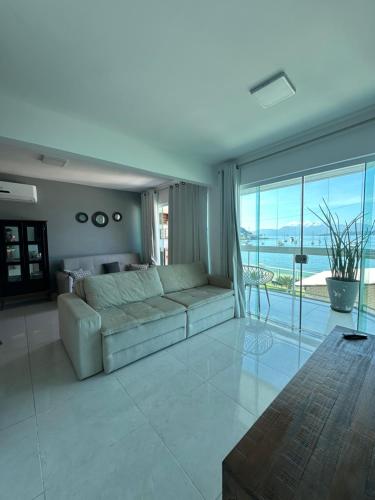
x=282, y=263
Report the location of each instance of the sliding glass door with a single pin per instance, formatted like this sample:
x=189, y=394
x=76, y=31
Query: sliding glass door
x=270, y=239
x=284, y=248
x=342, y=191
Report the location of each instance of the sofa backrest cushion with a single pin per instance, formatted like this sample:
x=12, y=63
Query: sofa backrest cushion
x=176, y=277
x=122, y=288
x=94, y=263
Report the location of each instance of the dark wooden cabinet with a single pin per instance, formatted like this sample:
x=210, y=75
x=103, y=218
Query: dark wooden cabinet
x=24, y=266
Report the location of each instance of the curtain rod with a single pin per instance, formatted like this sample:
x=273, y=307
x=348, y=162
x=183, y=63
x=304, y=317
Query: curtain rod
x=308, y=141
x=181, y=183
x=156, y=190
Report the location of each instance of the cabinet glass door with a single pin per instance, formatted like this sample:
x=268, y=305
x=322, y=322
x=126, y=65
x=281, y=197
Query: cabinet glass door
x=13, y=253
x=12, y=234
x=34, y=252
x=14, y=273
x=12, y=244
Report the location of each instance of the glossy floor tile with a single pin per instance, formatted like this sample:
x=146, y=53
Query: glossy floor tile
x=16, y=398
x=200, y=428
x=158, y=428
x=20, y=474
x=16, y=395
x=205, y=360
x=164, y=378
x=251, y=384
x=74, y=432
x=137, y=466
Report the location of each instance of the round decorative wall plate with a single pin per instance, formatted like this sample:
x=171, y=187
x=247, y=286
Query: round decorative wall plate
x=82, y=217
x=117, y=216
x=99, y=219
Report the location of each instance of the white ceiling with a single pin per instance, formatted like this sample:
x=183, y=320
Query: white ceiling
x=26, y=163
x=177, y=73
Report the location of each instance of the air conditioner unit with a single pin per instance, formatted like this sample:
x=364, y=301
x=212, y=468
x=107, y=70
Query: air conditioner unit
x=12, y=191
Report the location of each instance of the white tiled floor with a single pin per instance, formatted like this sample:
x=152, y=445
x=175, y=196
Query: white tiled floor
x=317, y=315
x=157, y=429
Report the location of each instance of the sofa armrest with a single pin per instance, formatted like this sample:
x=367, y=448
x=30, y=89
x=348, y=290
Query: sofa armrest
x=220, y=281
x=64, y=282
x=80, y=332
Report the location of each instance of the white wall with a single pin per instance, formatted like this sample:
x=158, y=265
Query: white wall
x=58, y=203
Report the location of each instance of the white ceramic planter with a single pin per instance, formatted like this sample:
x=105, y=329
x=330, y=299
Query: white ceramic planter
x=342, y=294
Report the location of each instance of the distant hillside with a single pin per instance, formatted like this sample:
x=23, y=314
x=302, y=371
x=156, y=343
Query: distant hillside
x=289, y=230
x=295, y=230
x=245, y=234
x=292, y=229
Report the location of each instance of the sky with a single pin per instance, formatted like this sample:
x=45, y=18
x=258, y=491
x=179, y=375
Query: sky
x=281, y=206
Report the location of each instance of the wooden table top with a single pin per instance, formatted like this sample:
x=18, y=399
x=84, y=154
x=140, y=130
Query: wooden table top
x=316, y=440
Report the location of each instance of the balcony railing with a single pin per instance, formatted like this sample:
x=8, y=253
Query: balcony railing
x=368, y=253
x=288, y=278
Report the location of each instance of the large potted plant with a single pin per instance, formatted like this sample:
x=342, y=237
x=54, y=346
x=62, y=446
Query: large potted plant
x=344, y=249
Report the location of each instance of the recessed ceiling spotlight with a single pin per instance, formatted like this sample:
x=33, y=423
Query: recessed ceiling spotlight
x=53, y=161
x=274, y=90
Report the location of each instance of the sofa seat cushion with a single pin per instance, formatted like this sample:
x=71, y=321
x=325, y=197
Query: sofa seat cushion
x=168, y=307
x=115, y=320
x=196, y=297
x=127, y=316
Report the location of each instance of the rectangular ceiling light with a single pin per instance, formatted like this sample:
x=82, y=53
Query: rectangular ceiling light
x=53, y=161
x=274, y=90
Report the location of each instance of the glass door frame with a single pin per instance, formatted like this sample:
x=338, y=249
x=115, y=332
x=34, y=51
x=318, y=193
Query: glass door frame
x=367, y=205
x=368, y=253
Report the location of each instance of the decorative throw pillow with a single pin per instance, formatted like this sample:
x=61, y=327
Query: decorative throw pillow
x=79, y=274
x=111, y=267
x=138, y=267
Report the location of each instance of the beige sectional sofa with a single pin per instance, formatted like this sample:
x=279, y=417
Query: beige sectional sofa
x=114, y=319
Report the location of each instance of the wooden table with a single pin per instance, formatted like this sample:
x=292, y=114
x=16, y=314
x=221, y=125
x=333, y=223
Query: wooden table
x=316, y=440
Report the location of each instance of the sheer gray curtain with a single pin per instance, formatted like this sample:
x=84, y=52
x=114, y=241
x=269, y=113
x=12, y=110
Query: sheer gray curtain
x=231, y=261
x=150, y=236
x=187, y=233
